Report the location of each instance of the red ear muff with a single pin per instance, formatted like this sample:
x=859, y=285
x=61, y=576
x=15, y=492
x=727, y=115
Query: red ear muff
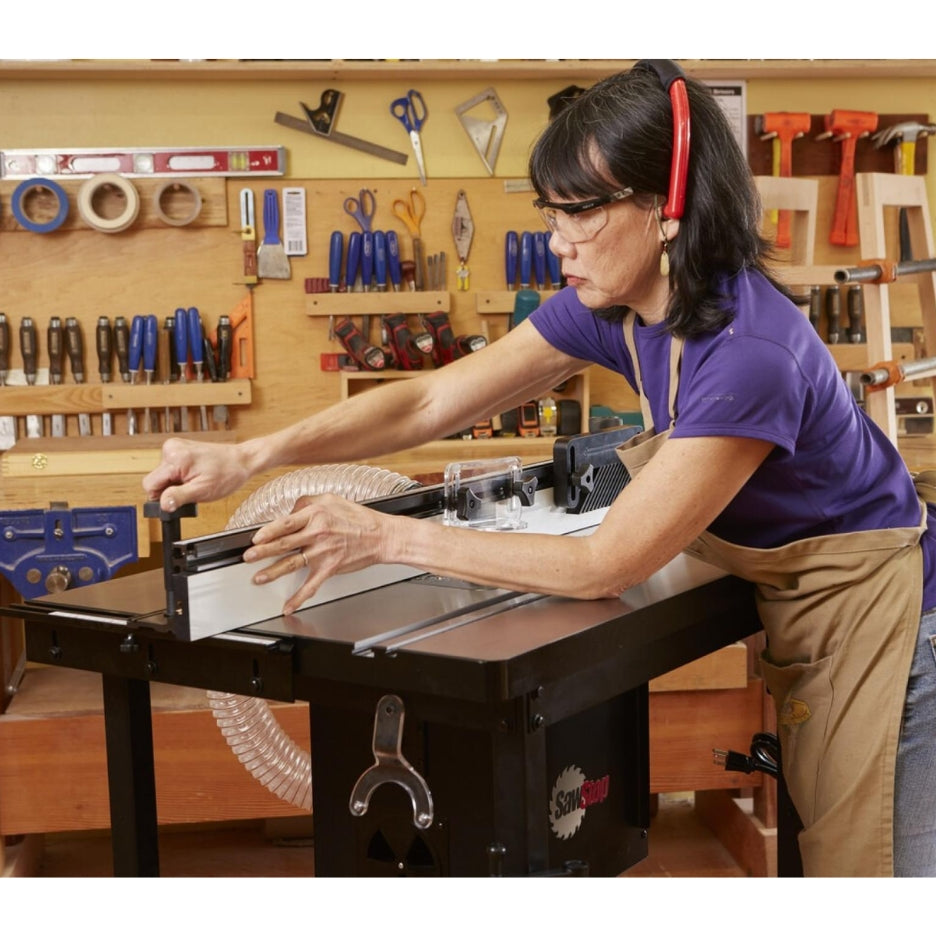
x=673, y=79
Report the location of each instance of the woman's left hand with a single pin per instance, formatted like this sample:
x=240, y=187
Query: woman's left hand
x=331, y=534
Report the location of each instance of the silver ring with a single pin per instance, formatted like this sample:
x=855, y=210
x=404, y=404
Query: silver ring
x=305, y=560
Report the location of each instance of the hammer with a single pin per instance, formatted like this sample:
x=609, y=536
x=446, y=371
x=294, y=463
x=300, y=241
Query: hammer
x=904, y=136
x=783, y=128
x=846, y=127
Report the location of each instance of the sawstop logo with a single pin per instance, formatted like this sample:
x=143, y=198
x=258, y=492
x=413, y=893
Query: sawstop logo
x=571, y=795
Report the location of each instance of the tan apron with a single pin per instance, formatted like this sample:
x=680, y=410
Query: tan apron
x=841, y=613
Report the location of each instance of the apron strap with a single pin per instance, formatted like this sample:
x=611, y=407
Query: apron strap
x=676, y=349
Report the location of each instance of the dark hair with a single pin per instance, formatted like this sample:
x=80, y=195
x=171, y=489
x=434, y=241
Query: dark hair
x=629, y=118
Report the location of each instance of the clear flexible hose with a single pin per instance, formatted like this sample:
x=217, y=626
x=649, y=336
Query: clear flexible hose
x=248, y=724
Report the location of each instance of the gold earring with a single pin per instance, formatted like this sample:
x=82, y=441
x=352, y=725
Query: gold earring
x=664, y=253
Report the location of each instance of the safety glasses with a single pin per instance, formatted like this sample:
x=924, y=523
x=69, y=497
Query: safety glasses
x=579, y=221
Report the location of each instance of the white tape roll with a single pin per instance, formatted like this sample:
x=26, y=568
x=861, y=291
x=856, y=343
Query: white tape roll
x=90, y=193
x=173, y=192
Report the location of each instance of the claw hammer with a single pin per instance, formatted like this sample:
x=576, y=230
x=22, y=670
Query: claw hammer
x=783, y=127
x=904, y=136
x=846, y=127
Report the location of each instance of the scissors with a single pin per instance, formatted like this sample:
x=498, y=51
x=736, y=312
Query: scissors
x=362, y=209
x=411, y=214
x=412, y=117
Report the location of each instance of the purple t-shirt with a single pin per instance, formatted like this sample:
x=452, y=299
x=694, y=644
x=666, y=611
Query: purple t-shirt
x=767, y=375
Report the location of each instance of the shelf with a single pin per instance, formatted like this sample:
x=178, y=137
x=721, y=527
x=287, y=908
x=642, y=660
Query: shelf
x=70, y=399
x=407, y=302
x=440, y=69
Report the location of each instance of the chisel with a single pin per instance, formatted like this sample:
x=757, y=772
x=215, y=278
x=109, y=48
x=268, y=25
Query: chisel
x=74, y=344
x=196, y=340
x=815, y=306
x=555, y=268
x=134, y=357
x=833, y=312
x=539, y=258
x=150, y=345
x=105, y=353
x=56, y=349
x=855, y=313
x=7, y=423
x=122, y=349
x=181, y=355
x=30, y=352
x=172, y=369
x=526, y=259
x=335, y=250
x=380, y=261
x=511, y=250
x=393, y=260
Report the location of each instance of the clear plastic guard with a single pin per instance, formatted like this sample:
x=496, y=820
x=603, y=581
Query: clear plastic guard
x=481, y=494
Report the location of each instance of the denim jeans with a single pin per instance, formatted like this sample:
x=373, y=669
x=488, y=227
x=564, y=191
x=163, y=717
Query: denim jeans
x=915, y=792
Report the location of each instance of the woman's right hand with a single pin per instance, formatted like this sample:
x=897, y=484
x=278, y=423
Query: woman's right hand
x=195, y=472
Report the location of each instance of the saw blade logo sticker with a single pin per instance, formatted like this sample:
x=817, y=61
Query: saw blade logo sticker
x=571, y=795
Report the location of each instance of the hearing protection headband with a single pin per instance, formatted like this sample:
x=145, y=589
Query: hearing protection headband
x=673, y=80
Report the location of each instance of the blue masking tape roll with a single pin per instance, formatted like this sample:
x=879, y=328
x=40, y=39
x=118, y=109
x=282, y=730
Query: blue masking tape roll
x=19, y=197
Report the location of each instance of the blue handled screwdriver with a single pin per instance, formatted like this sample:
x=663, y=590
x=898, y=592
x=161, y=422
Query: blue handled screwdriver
x=367, y=273
x=354, y=261
x=150, y=343
x=393, y=260
x=526, y=259
x=511, y=251
x=539, y=258
x=380, y=260
x=181, y=351
x=196, y=339
x=335, y=250
x=555, y=267
x=134, y=357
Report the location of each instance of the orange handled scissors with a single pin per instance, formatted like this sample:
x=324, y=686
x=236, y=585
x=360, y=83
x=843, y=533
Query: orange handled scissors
x=411, y=214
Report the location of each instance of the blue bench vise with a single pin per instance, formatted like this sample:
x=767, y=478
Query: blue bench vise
x=47, y=551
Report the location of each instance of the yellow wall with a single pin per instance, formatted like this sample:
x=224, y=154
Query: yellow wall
x=87, y=273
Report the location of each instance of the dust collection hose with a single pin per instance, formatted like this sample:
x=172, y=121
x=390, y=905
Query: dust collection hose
x=247, y=723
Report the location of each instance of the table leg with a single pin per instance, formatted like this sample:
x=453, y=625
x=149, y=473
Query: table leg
x=131, y=776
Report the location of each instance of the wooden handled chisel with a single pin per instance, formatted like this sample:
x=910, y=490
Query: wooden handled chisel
x=56, y=348
x=7, y=423
x=105, y=352
x=30, y=352
x=74, y=343
x=122, y=349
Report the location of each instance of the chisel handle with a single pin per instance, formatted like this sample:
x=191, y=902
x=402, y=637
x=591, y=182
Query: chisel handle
x=150, y=344
x=74, y=344
x=555, y=267
x=4, y=348
x=815, y=306
x=354, y=260
x=511, y=252
x=833, y=312
x=539, y=258
x=380, y=260
x=335, y=250
x=181, y=341
x=122, y=347
x=367, y=259
x=526, y=259
x=393, y=260
x=225, y=346
x=195, y=338
x=105, y=348
x=136, y=344
x=56, y=349
x=28, y=349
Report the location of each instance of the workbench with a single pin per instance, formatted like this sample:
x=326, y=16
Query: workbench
x=512, y=704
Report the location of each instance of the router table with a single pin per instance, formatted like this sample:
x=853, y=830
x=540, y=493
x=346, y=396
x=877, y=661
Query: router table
x=455, y=729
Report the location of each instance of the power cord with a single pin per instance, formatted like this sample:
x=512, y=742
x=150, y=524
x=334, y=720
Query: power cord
x=764, y=756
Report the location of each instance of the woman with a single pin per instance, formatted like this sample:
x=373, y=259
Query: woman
x=755, y=457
